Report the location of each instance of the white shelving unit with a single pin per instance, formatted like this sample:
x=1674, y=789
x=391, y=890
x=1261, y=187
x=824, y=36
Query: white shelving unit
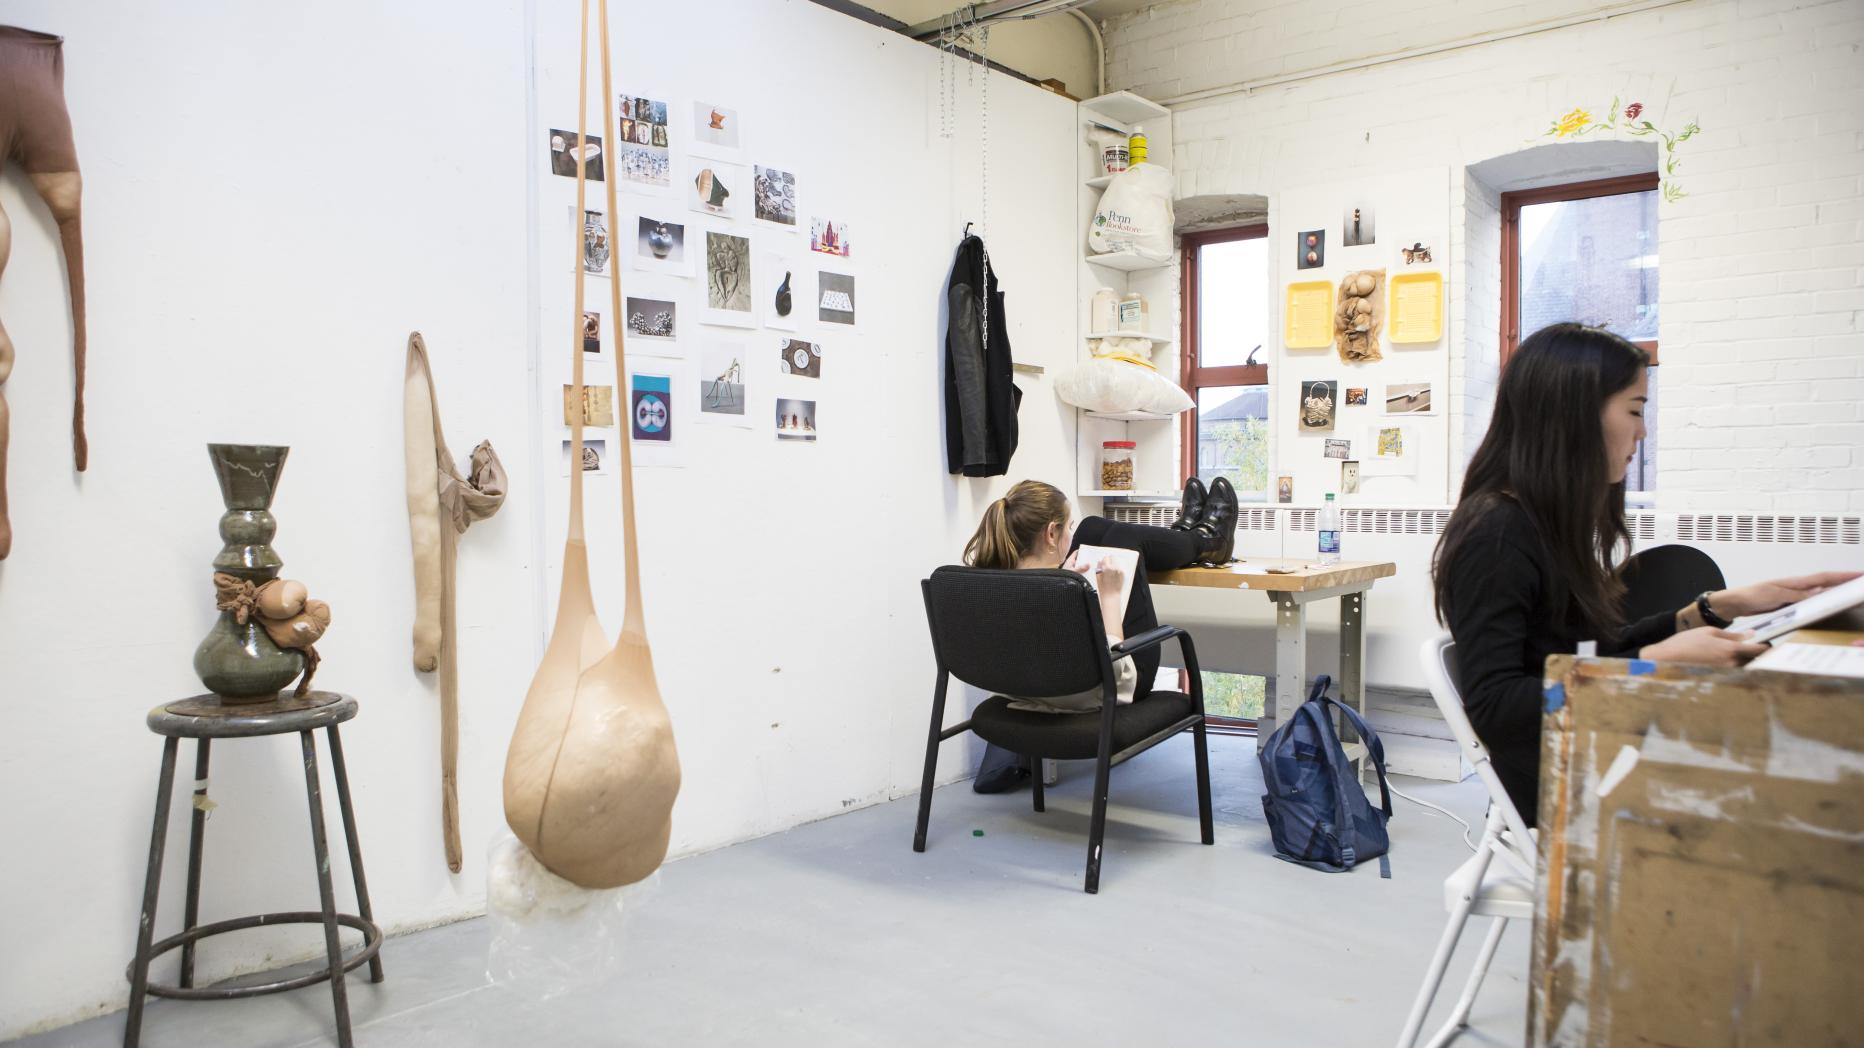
x=1155, y=459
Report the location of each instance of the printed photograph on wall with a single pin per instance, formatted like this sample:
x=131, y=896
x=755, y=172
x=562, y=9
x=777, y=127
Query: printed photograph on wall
x=1358, y=226
x=591, y=331
x=718, y=189
x=1338, y=449
x=567, y=150
x=773, y=194
x=1408, y=398
x=796, y=419
x=780, y=294
x=652, y=320
x=1284, y=489
x=641, y=154
x=660, y=246
x=1417, y=254
x=728, y=281
x=799, y=358
x=594, y=455
x=1317, y=407
x=651, y=397
x=598, y=405
x=722, y=391
x=834, y=298
x=1349, y=478
x=1310, y=249
x=715, y=130
x=829, y=237
x=595, y=243
x=1355, y=397
x=1394, y=452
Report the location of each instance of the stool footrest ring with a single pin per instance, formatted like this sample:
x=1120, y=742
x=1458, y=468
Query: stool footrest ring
x=371, y=945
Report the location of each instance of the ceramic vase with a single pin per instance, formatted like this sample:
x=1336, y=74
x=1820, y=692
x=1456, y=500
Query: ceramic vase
x=238, y=662
x=660, y=240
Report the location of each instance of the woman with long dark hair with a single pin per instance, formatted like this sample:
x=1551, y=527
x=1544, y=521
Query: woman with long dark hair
x=1529, y=565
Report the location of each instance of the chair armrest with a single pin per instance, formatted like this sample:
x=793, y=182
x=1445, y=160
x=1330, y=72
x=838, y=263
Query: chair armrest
x=1149, y=639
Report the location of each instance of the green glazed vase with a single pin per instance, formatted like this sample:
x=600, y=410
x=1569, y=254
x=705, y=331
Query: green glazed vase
x=240, y=663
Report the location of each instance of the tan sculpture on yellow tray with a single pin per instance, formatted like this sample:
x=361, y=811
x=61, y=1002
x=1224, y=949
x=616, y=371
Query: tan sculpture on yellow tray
x=441, y=506
x=35, y=131
x=592, y=772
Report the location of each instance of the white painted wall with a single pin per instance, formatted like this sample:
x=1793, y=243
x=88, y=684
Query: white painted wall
x=261, y=236
x=1763, y=261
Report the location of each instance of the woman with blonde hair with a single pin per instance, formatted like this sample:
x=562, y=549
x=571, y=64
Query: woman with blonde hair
x=1031, y=526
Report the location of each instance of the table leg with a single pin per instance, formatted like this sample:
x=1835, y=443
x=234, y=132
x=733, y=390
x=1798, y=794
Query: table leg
x=196, y=832
x=339, y=991
x=1290, y=657
x=355, y=847
x=151, y=888
x=1353, y=659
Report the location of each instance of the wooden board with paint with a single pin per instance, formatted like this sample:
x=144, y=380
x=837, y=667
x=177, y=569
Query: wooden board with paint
x=1702, y=849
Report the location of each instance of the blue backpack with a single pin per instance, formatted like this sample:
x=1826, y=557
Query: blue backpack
x=1317, y=812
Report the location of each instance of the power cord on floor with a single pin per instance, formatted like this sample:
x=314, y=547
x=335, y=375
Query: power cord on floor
x=1445, y=812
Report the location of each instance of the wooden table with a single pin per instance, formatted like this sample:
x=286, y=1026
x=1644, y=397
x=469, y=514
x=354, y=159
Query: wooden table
x=1291, y=592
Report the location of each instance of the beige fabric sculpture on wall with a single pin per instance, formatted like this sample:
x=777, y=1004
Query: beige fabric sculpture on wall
x=592, y=772
x=441, y=506
x=35, y=132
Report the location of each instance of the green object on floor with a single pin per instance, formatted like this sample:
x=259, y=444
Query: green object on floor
x=977, y=833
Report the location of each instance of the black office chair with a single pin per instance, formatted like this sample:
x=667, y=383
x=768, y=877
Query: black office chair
x=1666, y=578
x=1038, y=634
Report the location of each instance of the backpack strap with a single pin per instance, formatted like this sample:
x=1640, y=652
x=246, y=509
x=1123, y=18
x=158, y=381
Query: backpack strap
x=1374, y=748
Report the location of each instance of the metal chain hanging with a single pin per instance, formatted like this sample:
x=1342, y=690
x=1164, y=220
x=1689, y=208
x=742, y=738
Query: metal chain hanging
x=962, y=29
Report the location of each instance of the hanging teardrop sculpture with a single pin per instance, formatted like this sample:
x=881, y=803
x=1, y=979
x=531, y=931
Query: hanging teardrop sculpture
x=592, y=772
x=783, y=296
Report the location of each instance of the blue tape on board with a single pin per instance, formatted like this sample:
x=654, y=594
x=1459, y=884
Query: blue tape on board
x=1556, y=697
x=1642, y=667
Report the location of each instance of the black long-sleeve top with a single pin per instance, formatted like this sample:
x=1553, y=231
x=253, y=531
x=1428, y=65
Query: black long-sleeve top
x=1505, y=627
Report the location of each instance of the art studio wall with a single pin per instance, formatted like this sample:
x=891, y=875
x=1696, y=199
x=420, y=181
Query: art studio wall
x=260, y=240
x=1760, y=276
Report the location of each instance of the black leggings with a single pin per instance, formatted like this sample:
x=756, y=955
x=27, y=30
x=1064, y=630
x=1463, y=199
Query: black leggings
x=1160, y=549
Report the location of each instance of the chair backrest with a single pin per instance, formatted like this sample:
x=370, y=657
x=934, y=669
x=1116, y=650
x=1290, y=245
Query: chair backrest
x=1034, y=633
x=1664, y=578
x=1440, y=673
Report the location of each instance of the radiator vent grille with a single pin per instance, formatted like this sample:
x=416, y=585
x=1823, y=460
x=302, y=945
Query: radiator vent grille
x=1302, y=519
x=1248, y=519
x=1747, y=527
x=1643, y=526
x=1396, y=521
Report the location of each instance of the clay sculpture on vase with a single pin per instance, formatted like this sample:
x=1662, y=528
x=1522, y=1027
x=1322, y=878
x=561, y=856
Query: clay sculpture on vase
x=35, y=131
x=441, y=506
x=592, y=773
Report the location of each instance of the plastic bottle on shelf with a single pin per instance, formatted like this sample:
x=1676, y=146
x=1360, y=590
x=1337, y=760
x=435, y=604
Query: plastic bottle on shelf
x=1104, y=313
x=1136, y=146
x=1329, y=532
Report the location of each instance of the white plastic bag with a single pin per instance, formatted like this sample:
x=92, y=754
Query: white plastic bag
x=1104, y=384
x=550, y=936
x=1134, y=214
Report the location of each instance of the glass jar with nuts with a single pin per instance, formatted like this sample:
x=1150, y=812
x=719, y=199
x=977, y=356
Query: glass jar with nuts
x=1116, y=465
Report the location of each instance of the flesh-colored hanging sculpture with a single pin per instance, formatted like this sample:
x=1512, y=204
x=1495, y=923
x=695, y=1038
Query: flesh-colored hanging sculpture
x=35, y=131
x=441, y=506
x=592, y=772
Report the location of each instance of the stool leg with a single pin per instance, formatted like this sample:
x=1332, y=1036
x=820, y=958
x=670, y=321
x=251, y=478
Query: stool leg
x=355, y=847
x=338, y=990
x=196, y=832
x=151, y=887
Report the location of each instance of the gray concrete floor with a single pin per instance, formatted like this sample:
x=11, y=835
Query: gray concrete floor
x=836, y=933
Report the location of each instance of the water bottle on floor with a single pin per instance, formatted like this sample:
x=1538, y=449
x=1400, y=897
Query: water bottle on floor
x=1329, y=533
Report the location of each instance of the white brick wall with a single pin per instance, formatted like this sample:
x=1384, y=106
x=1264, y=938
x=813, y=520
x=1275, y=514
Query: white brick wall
x=1762, y=289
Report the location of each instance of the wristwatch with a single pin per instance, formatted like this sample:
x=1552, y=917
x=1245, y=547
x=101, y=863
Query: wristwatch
x=1708, y=614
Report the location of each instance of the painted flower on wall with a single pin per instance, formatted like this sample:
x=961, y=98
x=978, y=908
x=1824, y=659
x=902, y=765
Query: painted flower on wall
x=1578, y=123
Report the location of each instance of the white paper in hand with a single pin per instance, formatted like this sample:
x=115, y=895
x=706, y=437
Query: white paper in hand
x=1088, y=558
x=1821, y=605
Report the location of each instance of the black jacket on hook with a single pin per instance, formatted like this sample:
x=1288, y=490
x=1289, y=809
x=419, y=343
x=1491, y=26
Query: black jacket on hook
x=980, y=396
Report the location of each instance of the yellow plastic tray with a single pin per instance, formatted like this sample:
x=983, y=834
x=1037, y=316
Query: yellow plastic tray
x=1307, y=315
x=1415, y=309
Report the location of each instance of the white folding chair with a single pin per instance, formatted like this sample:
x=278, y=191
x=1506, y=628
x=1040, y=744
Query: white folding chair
x=1497, y=881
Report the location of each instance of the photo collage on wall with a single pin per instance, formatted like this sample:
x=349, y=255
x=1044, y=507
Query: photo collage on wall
x=733, y=286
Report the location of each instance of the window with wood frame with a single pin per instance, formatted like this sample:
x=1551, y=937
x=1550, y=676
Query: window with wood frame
x=1586, y=251
x=1225, y=345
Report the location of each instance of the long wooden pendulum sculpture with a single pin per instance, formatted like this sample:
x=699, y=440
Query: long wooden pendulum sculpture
x=592, y=772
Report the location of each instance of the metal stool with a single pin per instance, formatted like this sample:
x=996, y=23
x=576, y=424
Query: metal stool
x=204, y=718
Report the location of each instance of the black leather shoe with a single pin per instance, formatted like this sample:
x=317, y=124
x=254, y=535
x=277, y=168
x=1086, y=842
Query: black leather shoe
x=1191, y=508
x=1216, y=529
